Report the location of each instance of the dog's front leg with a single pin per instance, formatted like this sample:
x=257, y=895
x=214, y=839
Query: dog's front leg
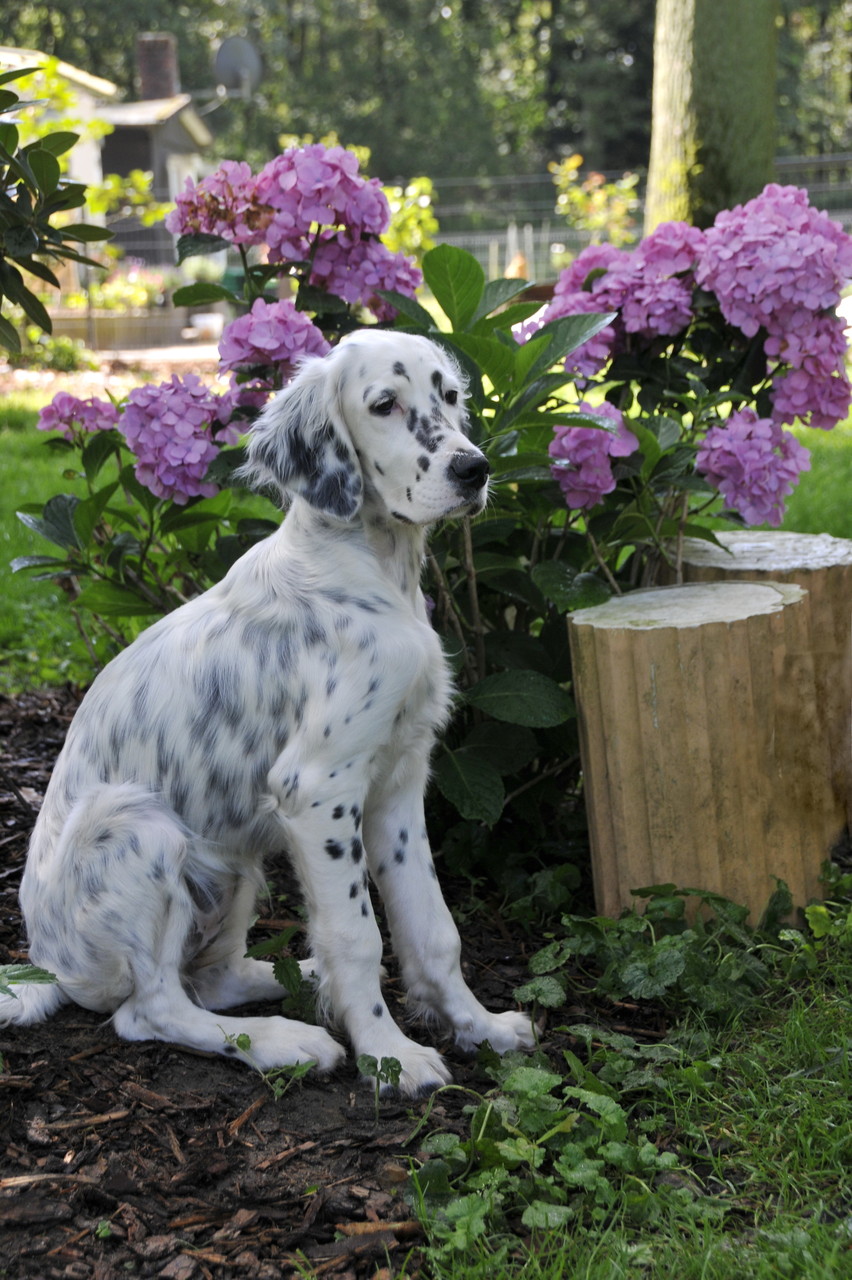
x=325, y=842
x=425, y=937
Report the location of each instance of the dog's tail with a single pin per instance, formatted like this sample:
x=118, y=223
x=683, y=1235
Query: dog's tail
x=32, y=1002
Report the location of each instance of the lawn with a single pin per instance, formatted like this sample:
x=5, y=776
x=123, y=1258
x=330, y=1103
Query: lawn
x=39, y=642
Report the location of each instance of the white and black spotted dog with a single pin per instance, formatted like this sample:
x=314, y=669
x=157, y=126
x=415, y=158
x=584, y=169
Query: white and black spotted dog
x=294, y=704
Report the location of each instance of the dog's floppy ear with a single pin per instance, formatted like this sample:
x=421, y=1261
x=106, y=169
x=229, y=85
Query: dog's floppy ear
x=300, y=445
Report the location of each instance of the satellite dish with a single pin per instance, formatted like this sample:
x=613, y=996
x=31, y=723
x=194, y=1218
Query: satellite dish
x=237, y=66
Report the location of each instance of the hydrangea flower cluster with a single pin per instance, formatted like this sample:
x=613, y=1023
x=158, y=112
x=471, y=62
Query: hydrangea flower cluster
x=754, y=464
x=582, y=456
x=778, y=265
x=317, y=186
x=170, y=427
x=650, y=287
x=356, y=272
x=313, y=209
x=224, y=204
x=270, y=334
x=72, y=416
x=776, y=268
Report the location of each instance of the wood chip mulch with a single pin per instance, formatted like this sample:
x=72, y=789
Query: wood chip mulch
x=142, y=1159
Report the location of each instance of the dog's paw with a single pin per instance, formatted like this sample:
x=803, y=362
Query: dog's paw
x=284, y=1042
x=503, y=1031
x=421, y=1070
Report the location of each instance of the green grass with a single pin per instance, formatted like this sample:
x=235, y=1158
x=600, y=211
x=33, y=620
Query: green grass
x=760, y=1120
x=821, y=503
x=39, y=642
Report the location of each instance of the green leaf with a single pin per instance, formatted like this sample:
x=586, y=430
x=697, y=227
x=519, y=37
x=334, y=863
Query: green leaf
x=507, y=748
x=85, y=233
x=542, y=1216
x=496, y=294
x=58, y=143
x=408, y=307
x=544, y=990
x=555, y=580
x=113, y=601
x=88, y=512
x=585, y=592
x=9, y=337
x=200, y=294
x=494, y=358
x=46, y=169
x=97, y=450
x=522, y=697
x=34, y=562
x=15, y=974
x=191, y=246
x=18, y=74
x=457, y=282
x=564, y=336
x=56, y=522
x=471, y=784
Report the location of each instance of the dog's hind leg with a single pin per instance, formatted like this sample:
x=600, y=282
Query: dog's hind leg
x=116, y=918
x=223, y=976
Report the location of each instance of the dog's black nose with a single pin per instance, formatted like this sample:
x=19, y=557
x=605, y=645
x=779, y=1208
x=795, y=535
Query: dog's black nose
x=470, y=470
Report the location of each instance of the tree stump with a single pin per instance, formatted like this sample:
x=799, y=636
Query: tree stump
x=823, y=565
x=704, y=760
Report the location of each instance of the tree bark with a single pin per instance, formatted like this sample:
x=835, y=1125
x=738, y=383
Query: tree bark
x=713, y=114
x=704, y=763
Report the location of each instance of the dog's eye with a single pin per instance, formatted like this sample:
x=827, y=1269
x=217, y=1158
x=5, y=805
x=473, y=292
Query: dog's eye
x=384, y=406
x=451, y=396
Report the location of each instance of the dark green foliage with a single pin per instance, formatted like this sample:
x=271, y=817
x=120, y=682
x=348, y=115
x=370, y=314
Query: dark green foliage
x=32, y=194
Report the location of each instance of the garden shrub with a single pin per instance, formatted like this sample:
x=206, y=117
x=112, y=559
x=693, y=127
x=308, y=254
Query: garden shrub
x=649, y=400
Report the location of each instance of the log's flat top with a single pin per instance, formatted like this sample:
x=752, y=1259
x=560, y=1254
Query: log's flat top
x=690, y=605
x=767, y=551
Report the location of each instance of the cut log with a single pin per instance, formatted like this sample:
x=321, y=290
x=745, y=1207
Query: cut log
x=823, y=565
x=704, y=760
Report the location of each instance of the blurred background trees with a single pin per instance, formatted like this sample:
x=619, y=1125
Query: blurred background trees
x=453, y=87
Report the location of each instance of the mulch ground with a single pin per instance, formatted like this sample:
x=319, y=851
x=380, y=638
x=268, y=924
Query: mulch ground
x=146, y=1160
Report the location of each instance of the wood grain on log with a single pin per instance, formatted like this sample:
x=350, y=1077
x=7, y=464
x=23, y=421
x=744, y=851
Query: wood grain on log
x=704, y=757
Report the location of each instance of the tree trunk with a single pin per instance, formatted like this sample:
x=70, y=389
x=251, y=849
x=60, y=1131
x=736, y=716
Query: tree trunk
x=704, y=763
x=823, y=566
x=713, y=115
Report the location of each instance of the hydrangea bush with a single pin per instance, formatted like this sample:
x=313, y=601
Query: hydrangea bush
x=653, y=397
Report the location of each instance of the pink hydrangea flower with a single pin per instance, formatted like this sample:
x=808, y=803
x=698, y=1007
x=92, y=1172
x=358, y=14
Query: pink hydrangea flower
x=313, y=187
x=170, y=427
x=356, y=272
x=223, y=204
x=754, y=464
x=71, y=416
x=272, y=333
x=773, y=259
x=582, y=457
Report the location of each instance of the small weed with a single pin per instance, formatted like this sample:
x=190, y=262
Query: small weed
x=12, y=974
x=277, y=1079
x=387, y=1072
x=299, y=996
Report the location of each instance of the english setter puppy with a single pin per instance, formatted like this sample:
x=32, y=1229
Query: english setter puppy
x=293, y=705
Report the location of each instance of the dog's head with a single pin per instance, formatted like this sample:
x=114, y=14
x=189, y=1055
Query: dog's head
x=380, y=421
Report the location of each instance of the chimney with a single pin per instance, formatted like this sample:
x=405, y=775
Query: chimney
x=157, y=65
